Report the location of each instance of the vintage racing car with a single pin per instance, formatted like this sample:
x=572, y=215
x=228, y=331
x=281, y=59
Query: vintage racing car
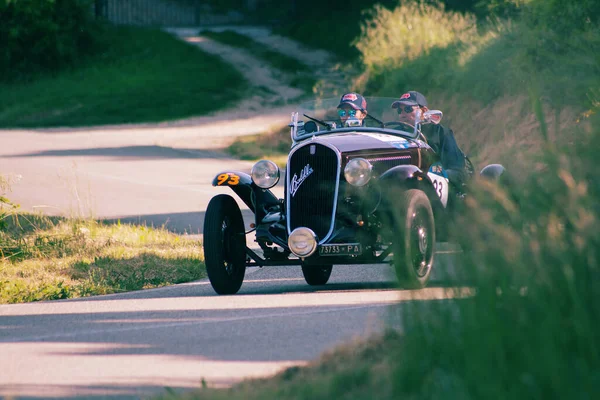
x=355, y=193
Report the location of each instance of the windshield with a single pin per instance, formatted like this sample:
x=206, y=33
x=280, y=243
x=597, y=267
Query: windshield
x=321, y=117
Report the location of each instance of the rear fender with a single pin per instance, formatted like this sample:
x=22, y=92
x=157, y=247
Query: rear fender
x=492, y=172
x=257, y=199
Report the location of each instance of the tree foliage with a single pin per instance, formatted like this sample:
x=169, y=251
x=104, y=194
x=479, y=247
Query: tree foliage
x=43, y=35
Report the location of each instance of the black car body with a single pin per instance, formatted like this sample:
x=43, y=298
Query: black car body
x=360, y=193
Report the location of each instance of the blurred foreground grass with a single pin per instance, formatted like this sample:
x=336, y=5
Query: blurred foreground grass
x=49, y=258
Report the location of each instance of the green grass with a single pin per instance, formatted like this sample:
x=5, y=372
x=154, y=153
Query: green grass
x=48, y=258
x=299, y=73
x=340, y=35
x=143, y=75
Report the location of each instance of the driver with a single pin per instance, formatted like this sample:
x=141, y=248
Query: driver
x=440, y=138
x=352, y=109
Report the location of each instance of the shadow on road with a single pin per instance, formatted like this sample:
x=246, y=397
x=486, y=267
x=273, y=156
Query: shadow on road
x=130, y=153
x=190, y=223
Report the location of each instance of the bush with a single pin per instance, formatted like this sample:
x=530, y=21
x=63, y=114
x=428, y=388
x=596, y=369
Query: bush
x=44, y=35
x=392, y=37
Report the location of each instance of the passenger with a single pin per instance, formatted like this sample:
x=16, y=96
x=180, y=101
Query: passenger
x=352, y=109
x=440, y=138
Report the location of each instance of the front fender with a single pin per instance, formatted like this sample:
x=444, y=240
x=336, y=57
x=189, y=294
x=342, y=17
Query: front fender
x=253, y=196
x=241, y=184
x=409, y=177
x=402, y=173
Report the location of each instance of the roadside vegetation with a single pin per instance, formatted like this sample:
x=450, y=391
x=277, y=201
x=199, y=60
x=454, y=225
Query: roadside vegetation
x=50, y=258
x=298, y=74
x=100, y=74
x=274, y=145
x=523, y=91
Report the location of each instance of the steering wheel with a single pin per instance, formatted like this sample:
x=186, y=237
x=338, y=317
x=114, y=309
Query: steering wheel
x=405, y=127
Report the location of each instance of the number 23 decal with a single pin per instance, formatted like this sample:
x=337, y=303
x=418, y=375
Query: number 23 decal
x=228, y=178
x=440, y=185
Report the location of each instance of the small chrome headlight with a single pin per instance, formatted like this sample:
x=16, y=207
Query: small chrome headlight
x=265, y=174
x=358, y=171
x=302, y=242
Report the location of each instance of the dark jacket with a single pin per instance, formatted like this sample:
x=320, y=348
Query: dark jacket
x=442, y=141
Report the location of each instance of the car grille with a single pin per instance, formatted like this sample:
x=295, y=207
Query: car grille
x=312, y=180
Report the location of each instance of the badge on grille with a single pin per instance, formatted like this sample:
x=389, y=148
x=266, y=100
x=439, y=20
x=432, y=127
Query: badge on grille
x=297, y=181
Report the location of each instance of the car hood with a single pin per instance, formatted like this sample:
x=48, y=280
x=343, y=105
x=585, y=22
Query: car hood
x=351, y=142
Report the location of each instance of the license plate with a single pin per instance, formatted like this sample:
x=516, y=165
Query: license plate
x=343, y=249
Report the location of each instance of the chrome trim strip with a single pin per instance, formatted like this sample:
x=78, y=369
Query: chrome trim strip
x=393, y=132
x=337, y=185
x=389, y=158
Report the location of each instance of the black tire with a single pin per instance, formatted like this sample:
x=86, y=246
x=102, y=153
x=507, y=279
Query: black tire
x=316, y=275
x=414, y=244
x=224, y=244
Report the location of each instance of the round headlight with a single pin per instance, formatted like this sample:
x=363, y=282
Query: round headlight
x=302, y=242
x=358, y=171
x=265, y=174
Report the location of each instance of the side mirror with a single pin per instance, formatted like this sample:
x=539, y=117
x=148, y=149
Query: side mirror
x=432, y=116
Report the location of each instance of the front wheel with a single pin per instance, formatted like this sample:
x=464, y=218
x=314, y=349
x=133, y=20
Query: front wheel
x=414, y=244
x=316, y=275
x=224, y=244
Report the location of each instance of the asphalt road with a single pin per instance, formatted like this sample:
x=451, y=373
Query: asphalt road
x=136, y=344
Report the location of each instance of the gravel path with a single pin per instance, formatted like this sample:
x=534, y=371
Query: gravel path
x=332, y=78
x=269, y=85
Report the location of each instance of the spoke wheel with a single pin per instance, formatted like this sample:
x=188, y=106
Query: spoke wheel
x=224, y=245
x=316, y=275
x=414, y=246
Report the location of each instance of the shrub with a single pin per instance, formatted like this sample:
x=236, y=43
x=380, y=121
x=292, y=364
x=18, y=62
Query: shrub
x=392, y=37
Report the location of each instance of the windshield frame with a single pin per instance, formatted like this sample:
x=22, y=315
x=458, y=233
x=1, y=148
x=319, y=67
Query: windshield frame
x=327, y=105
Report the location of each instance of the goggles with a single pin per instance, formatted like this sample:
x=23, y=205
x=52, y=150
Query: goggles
x=342, y=113
x=406, y=109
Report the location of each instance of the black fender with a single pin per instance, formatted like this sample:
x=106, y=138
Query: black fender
x=410, y=177
x=253, y=196
x=492, y=172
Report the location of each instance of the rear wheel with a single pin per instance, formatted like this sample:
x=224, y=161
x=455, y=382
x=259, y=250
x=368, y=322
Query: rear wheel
x=316, y=275
x=224, y=244
x=414, y=243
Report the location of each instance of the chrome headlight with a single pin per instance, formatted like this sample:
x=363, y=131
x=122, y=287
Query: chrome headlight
x=358, y=171
x=302, y=242
x=265, y=174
